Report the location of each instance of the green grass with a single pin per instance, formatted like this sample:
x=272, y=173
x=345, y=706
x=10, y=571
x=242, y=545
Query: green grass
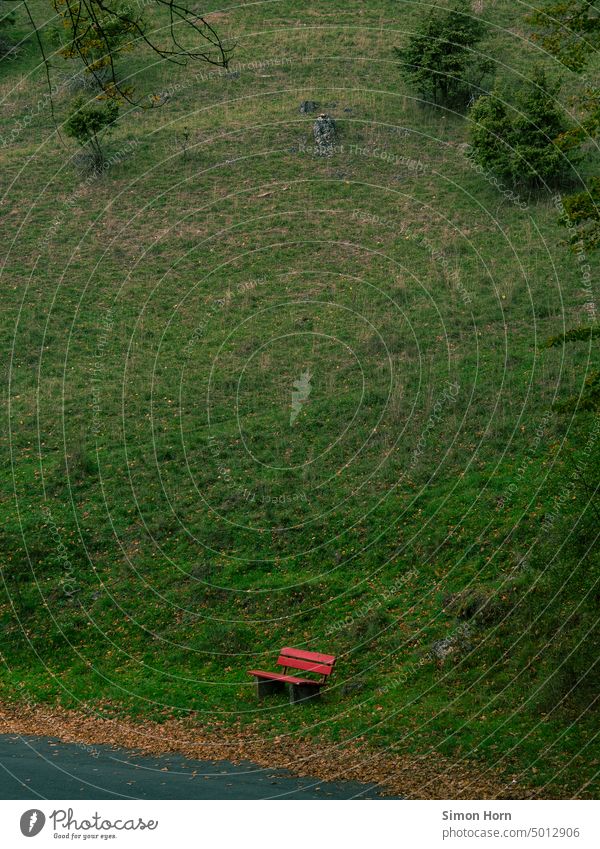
x=163, y=525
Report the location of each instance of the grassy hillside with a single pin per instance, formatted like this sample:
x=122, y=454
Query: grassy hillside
x=167, y=523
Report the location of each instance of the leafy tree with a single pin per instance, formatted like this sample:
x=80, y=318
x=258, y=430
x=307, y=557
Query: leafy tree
x=570, y=30
x=516, y=134
x=89, y=122
x=441, y=58
x=576, y=534
x=7, y=15
x=582, y=215
x=7, y=20
x=589, y=398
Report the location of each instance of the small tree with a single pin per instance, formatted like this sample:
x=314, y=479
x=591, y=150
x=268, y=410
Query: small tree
x=570, y=30
x=588, y=399
x=441, y=60
x=515, y=134
x=7, y=20
x=582, y=216
x=89, y=122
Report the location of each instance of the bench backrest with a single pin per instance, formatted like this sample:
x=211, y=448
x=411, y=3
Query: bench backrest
x=307, y=661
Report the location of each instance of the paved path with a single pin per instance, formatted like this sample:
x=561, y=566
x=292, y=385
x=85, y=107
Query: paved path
x=45, y=768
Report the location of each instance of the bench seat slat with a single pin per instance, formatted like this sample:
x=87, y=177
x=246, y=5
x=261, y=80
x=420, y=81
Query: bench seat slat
x=277, y=676
x=309, y=655
x=306, y=665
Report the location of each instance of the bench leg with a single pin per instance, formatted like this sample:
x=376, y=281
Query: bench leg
x=266, y=687
x=303, y=692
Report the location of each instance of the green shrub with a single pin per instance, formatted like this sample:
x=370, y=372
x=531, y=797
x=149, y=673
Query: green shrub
x=89, y=122
x=7, y=21
x=514, y=133
x=441, y=60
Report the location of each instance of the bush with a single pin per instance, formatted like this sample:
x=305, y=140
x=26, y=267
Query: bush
x=440, y=59
x=7, y=21
x=514, y=133
x=89, y=122
x=368, y=628
x=484, y=605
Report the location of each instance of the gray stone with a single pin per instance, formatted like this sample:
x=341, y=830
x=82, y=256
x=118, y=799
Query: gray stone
x=308, y=106
x=352, y=687
x=454, y=644
x=325, y=135
x=442, y=648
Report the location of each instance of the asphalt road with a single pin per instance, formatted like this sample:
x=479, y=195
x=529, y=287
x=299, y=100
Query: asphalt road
x=45, y=768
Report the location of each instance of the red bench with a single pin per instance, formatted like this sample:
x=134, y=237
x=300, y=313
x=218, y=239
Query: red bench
x=300, y=688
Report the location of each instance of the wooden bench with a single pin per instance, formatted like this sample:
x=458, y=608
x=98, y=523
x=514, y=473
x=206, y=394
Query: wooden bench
x=300, y=688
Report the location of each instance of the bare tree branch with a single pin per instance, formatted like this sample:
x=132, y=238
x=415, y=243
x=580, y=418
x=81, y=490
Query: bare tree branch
x=43, y=55
x=99, y=30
